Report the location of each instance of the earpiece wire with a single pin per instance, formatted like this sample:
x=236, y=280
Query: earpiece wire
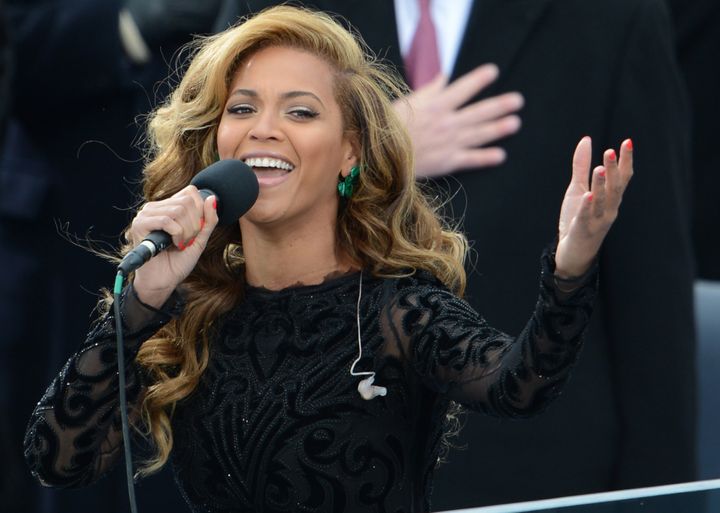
x=359, y=340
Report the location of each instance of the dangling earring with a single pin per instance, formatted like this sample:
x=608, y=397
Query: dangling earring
x=345, y=187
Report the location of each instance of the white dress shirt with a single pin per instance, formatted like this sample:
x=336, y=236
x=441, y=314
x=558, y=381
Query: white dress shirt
x=450, y=18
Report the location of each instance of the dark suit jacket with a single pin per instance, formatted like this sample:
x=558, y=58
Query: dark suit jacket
x=697, y=25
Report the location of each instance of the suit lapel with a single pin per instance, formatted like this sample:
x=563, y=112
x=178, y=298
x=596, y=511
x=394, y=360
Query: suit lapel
x=496, y=32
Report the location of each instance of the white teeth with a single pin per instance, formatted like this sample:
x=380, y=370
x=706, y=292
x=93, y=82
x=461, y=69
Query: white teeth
x=269, y=162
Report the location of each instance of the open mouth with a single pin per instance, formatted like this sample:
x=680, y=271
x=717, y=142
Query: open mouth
x=269, y=170
x=270, y=166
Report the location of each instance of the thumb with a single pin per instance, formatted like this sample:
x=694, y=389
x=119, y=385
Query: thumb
x=435, y=86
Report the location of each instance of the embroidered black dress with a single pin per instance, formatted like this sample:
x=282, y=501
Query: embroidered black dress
x=277, y=424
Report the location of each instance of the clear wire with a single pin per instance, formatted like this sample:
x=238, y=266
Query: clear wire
x=359, y=340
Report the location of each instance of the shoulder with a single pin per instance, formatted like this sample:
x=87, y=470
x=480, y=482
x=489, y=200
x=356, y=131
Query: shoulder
x=420, y=291
x=415, y=280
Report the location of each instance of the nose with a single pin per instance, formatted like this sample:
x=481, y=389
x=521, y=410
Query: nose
x=266, y=127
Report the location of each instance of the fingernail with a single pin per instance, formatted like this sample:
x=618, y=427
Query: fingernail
x=590, y=196
x=215, y=203
x=202, y=223
x=629, y=144
x=182, y=246
x=602, y=173
x=611, y=155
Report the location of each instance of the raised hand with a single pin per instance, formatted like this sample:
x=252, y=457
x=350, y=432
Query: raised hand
x=190, y=221
x=448, y=135
x=590, y=206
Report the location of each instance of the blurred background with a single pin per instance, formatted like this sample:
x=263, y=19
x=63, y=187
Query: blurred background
x=77, y=78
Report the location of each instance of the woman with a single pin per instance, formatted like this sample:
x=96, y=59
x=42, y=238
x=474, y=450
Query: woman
x=246, y=344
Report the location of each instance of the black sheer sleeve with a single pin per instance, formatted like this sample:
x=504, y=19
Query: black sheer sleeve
x=459, y=355
x=74, y=435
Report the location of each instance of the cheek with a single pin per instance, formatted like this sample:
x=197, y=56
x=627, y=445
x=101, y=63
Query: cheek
x=324, y=158
x=229, y=136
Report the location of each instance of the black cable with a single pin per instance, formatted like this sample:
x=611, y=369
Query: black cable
x=119, y=279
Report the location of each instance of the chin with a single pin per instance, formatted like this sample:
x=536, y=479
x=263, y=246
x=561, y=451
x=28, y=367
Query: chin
x=266, y=212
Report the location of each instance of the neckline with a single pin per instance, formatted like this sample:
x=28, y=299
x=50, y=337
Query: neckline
x=333, y=282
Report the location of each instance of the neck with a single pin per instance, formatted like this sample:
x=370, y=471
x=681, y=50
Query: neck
x=293, y=256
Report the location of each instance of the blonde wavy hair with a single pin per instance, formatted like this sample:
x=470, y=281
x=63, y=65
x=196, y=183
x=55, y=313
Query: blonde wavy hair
x=388, y=226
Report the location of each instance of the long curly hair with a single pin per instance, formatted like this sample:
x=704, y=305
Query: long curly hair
x=388, y=226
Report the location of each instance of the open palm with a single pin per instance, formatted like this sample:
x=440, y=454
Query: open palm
x=590, y=206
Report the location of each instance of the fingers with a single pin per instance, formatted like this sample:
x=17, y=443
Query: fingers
x=598, y=192
x=436, y=84
x=581, y=163
x=488, y=132
x=181, y=216
x=625, y=166
x=490, y=108
x=480, y=157
x=615, y=176
x=429, y=91
x=585, y=213
x=469, y=85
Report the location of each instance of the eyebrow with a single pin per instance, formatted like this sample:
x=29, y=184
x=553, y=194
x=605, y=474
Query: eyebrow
x=288, y=95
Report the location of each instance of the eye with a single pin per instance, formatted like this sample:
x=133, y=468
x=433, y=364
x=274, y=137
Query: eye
x=242, y=108
x=303, y=113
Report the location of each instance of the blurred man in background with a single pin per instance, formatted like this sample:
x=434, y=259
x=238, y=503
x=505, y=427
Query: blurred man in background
x=84, y=71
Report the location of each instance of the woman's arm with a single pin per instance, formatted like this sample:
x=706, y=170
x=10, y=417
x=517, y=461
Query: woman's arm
x=74, y=435
x=459, y=355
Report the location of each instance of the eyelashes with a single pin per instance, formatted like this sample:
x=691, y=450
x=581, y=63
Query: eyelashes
x=301, y=113
x=241, y=109
x=304, y=113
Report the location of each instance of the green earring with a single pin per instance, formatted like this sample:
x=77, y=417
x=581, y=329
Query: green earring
x=345, y=187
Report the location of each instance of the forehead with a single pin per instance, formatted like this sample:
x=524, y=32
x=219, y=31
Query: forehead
x=279, y=68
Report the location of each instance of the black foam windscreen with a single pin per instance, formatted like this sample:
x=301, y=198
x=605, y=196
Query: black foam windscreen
x=234, y=185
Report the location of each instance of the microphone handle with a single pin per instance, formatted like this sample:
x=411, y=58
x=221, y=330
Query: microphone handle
x=155, y=242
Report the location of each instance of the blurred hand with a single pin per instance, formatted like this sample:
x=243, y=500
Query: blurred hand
x=172, y=21
x=589, y=209
x=190, y=221
x=447, y=134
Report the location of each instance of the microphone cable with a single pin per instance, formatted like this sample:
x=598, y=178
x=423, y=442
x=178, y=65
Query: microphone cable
x=119, y=280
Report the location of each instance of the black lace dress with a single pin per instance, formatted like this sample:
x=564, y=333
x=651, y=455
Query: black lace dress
x=277, y=424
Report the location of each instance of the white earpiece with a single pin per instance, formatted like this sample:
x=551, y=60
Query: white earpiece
x=368, y=390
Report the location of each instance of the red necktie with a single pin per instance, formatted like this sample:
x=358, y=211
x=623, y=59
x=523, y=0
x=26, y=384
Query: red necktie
x=422, y=62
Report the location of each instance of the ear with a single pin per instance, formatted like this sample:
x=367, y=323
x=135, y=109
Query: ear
x=351, y=155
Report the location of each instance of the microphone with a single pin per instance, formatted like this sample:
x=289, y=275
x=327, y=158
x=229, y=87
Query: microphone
x=234, y=185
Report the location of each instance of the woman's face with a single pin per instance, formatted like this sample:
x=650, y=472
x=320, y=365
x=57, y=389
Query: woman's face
x=282, y=119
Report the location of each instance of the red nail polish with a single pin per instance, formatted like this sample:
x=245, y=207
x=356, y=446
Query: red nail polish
x=590, y=196
x=202, y=223
x=215, y=203
x=629, y=144
x=612, y=155
x=602, y=173
x=190, y=242
x=182, y=246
